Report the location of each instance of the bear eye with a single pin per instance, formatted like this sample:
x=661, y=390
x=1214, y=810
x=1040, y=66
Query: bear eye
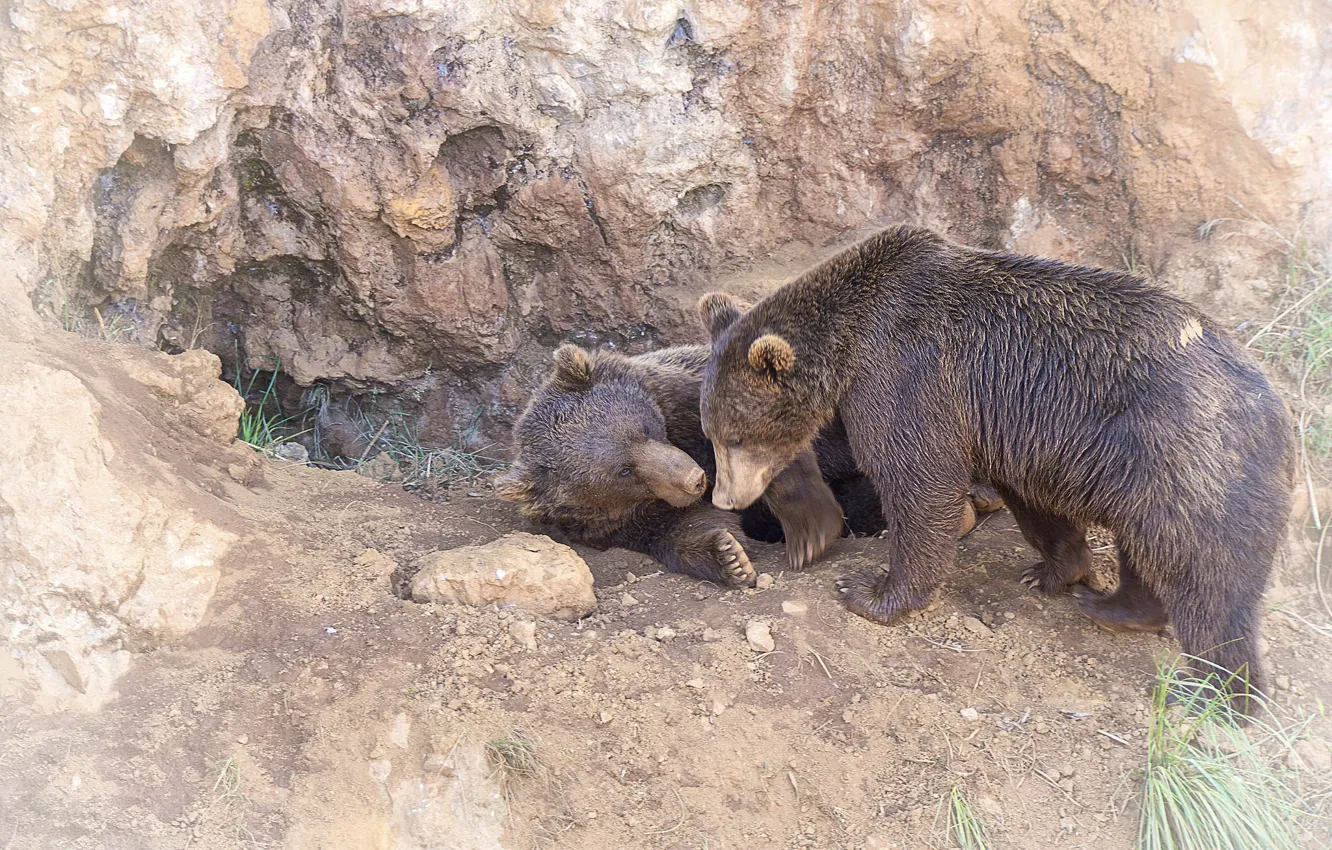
x=735, y=444
x=626, y=472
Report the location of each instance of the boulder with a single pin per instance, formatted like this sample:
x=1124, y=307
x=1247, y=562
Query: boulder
x=530, y=571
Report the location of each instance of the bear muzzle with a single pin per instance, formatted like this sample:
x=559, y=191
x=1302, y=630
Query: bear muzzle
x=741, y=479
x=669, y=473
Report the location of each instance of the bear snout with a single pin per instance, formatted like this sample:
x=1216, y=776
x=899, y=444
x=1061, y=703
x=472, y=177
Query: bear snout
x=672, y=475
x=698, y=483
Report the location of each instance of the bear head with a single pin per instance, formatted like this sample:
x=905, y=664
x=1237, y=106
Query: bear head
x=756, y=406
x=592, y=446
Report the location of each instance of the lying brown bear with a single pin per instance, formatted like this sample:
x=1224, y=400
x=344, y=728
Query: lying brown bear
x=610, y=450
x=1084, y=395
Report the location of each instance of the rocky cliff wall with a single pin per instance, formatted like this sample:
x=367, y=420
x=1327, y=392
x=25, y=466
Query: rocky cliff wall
x=422, y=196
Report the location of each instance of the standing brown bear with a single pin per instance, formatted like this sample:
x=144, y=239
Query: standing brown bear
x=1084, y=395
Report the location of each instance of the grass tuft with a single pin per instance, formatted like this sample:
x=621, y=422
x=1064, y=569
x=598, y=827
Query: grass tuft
x=515, y=755
x=1209, y=782
x=262, y=424
x=396, y=433
x=1297, y=342
x=967, y=829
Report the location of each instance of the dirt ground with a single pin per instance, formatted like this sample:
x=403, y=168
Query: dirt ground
x=315, y=709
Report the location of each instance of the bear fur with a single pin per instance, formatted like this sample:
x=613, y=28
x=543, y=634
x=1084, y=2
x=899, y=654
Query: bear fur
x=610, y=450
x=1085, y=396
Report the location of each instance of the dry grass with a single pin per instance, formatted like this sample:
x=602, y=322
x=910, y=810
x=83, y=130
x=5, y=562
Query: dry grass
x=514, y=756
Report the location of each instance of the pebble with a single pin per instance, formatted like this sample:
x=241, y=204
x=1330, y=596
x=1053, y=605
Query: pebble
x=1283, y=682
x=976, y=627
x=1066, y=770
x=711, y=635
x=765, y=581
x=759, y=636
x=243, y=739
x=524, y=631
x=628, y=601
x=970, y=715
x=696, y=684
x=795, y=608
x=665, y=633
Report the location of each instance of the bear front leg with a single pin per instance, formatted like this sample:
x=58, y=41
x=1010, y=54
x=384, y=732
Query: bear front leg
x=702, y=543
x=804, y=504
x=898, y=432
x=921, y=542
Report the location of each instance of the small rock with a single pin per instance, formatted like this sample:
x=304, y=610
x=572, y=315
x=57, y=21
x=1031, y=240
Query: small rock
x=63, y=663
x=696, y=684
x=1009, y=615
x=759, y=636
x=665, y=633
x=524, y=631
x=765, y=581
x=375, y=563
x=243, y=739
x=797, y=609
x=1066, y=769
x=1283, y=682
x=628, y=601
x=711, y=635
x=381, y=467
x=530, y=571
x=1067, y=785
x=970, y=715
x=630, y=578
x=605, y=717
x=976, y=627
x=293, y=452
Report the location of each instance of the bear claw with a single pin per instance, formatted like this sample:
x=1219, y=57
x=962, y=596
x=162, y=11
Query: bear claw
x=862, y=594
x=1040, y=577
x=734, y=563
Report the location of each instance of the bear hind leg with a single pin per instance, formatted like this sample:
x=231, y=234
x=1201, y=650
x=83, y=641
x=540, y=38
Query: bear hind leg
x=1214, y=608
x=1133, y=607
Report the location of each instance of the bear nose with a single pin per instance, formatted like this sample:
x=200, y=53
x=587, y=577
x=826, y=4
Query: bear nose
x=698, y=482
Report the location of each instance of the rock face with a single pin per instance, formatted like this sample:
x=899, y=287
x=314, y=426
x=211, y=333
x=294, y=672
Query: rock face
x=530, y=571
x=95, y=562
x=423, y=196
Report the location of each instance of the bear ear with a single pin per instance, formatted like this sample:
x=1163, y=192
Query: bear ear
x=514, y=485
x=719, y=310
x=573, y=369
x=772, y=354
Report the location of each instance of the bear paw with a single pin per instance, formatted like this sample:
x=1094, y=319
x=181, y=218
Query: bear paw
x=1050, y=580
x=1117, y=613
x=866, y=593
x=732, y=561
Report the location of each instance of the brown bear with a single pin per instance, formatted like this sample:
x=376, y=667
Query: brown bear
x=610, y=450
x=1085, y=396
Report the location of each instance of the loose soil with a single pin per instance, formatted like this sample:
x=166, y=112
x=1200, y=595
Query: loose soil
x=315, y=708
